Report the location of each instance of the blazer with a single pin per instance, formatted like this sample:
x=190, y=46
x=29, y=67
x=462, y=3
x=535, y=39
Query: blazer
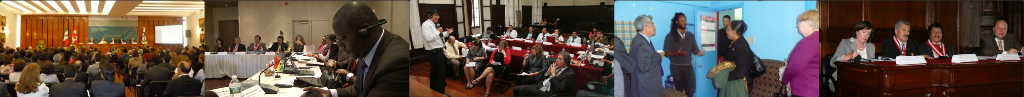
x=222, y=48
x=157, y=73
x=925, y=49
x=183, y=86
x=233, y=48
x=278, y=45
x=647, y=73
x=561, y=83
x=257, y=47
x=69, y=88
x=625, y=64
x=891, y=50
x=740, y=53
x=103, y=88
x=847, y=46
x=388, y=74
x=990, y=48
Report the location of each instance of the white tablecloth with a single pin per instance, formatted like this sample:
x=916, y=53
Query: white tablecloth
x=285, y=78
x=243, y=65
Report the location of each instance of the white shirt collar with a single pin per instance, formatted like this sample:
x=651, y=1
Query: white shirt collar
x=369, y=57
x=645, y=37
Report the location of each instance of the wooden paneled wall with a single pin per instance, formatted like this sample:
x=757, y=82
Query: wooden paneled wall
x=50, y=29
x=576, y=18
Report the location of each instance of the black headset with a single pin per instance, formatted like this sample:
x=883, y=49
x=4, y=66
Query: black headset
x=364, y=33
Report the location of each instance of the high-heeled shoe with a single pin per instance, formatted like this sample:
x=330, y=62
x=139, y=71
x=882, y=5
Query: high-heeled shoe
x=471, y=84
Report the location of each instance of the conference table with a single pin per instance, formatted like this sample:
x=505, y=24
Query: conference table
x=220, y=65
x=937, y=78
x=288, y=79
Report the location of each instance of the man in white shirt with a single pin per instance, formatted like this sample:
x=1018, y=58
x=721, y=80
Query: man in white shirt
x=543, y=36
x=575, y=39
x=998, y=43
x=435, y=53
x=529, y=34
x=511, y=33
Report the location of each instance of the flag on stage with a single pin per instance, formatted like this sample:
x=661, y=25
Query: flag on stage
x=66, y=40
x=74, y=36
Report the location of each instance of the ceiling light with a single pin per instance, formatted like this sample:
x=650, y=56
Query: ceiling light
x=107, y=6
x=181, y=2
x=55, y=6
x=23, y=3
x=67, y=5
x=164, y=8
x=11, y=3
x=81, y=7
x=45, y=9
x=156, y=5
x=95, y=6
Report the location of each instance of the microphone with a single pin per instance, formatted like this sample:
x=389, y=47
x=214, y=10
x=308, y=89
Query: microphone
x=260, y=76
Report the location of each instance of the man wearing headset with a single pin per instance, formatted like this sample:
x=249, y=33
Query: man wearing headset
x=434, y=37
x=383, y=67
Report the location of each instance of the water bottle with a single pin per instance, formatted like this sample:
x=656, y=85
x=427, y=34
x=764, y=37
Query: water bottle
x=235, y=86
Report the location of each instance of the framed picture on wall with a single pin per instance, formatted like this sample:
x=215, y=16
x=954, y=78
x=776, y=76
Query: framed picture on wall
x=202, y=24
x=3, y=37
x=3, y=22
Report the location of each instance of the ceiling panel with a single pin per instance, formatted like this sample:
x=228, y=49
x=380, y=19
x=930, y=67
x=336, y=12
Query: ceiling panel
x=105, y=7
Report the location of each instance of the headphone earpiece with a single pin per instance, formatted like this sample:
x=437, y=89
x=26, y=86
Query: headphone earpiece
x=365, y=32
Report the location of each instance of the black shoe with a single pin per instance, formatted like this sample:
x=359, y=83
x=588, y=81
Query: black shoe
x=446, y=95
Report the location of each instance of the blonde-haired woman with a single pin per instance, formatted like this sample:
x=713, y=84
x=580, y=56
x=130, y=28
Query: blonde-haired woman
x=30, y=85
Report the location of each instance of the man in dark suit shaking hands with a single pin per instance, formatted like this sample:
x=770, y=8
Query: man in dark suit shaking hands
x=383, y=68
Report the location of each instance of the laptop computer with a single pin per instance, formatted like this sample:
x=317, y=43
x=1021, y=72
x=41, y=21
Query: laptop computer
x=302, y=72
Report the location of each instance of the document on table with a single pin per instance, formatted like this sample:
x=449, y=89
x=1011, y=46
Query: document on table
x=964, y=58
x=1004, y=57
x=901, y=60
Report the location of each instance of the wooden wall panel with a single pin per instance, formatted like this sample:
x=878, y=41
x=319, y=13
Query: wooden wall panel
x=50, y=29
x=839, y=18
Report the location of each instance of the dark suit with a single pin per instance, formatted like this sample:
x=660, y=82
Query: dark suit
x=278, y=45
x=238, y=47
x=157, y=73
x=533, y=64
x=222, y=48
x=626, y=64
x=388, y=73
x=891, y=50
x=925, y=49
x=103, y=88
x=82, y=77
x=646, y=79
x=560, y=84
x=183, y=86
x=741, y=54
x=257, y=47
x=990, y=48
x=69, y=88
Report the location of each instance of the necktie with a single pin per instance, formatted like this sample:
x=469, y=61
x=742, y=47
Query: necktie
x=362, y=79
x=1000, y=43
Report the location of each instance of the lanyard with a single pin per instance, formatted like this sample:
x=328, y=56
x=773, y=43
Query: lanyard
x=941, y=49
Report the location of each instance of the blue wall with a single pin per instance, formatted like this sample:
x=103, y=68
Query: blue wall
x=771, y=23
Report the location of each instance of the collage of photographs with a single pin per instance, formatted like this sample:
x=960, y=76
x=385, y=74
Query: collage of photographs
x=512, y=48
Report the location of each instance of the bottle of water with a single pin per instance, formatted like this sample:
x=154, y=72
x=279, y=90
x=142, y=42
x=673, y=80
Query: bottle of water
x=235, y=86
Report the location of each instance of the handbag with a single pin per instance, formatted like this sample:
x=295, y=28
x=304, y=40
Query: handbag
x=758, y=68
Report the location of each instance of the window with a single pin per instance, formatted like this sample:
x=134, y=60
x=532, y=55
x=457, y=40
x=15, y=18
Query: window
x=476, y=13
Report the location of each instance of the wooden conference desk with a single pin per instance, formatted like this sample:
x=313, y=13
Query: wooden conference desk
x=938, y=78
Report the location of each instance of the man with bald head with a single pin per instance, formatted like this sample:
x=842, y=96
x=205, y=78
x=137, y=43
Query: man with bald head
x=383, y=68
x=998, y=42
x=900, y=44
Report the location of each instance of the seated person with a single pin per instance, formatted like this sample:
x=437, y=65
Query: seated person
x=69, y=88
x=900, y=44
x=183, y=85
x=103, y=40
x=31, y=85
x=998, y=43
x=106, y=87
x=535, y=64
x=47, y=73
x=575, y=39
x=476, y=54
x=934, y=48
x=558, y=80
x=279, y=45
x=452, y=48
x=19, y=65
x=557, y=35
x=498, y=58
